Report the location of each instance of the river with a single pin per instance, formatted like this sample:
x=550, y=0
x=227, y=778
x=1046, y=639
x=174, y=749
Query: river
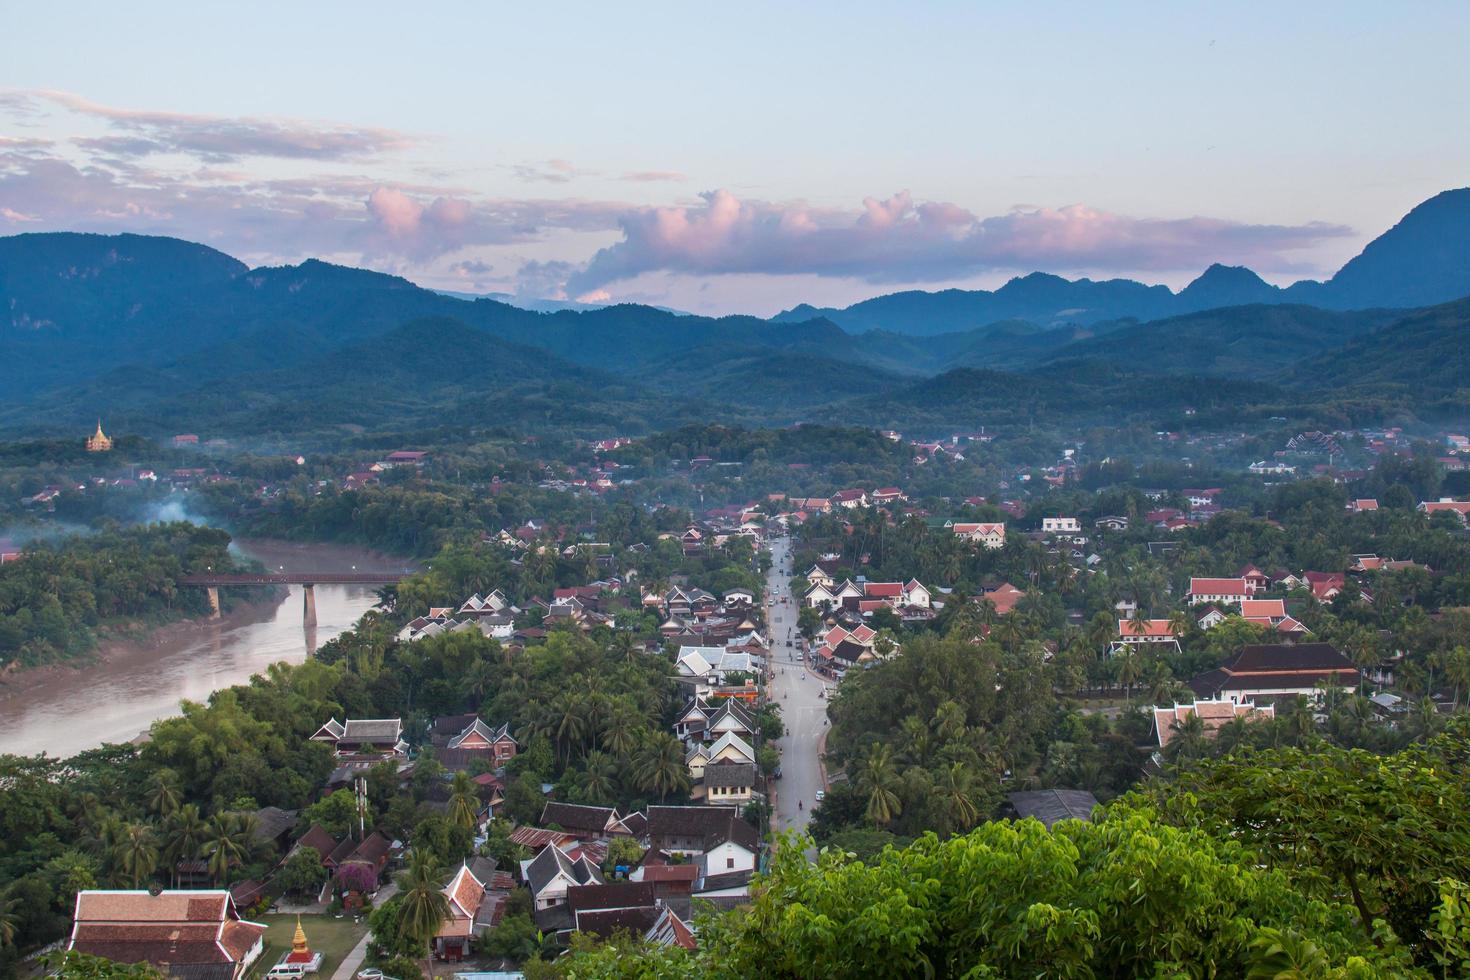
x=63, y=710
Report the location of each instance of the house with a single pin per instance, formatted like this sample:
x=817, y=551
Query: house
x=1325, y=586
x=1363, y=506
x=991, y=535
x=1212, y=617
x=1060, y=525
x=1227, y=591
x=1277, y=670
x=818, y=595
x=1447, y=505
x=582, y=822
x=817, y=575
x=670, y=930
x=715, y=836
x=729, y=782
x=1255, y=579
x=1111, y=523
x=916, y=595
x=468, y=736
x=1136, y=631
x=464, y=893
x=552, y=872
x=603, y=909
x=850, y=499
x=1003, y=597
x=1051, y=806
x=731, y=717
x=888, y=495
x=731, y=748
x=364, y=739
x=180, y=933
x=1214, y=714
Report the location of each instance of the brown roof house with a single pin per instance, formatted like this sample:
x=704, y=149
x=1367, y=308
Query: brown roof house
x=194, y=934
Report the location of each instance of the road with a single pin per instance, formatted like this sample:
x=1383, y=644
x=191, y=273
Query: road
x=798, y=691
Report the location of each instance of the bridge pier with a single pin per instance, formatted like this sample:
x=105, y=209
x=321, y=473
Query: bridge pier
x=308, y=604
x=213, y=593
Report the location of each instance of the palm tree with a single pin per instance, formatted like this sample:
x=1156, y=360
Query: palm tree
x=9, y=919
x=620, y=734
x=1130, y=668
x=915, y=737
x=954, y=789
x=464, y=803
x=1457, y=671
x=571, y=720
x=422, y=906
x=949, y=721
x=878, y=779
x=599, y=777
x=184, y=833
x=163, y=792
x=136, y=852
x=1189, y=737
x=227, y=842
x=660, y=767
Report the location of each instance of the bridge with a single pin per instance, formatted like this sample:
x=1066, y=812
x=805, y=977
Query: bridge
x=212, y=583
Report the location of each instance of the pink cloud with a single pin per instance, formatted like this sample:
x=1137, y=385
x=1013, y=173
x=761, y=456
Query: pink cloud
x=652, y=176
x=897, y=240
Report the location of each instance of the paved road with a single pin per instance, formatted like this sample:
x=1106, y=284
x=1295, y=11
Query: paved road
x=798, y=692
x=352, y=962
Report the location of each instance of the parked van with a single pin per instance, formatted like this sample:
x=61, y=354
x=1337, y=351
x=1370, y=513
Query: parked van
x=286, y=971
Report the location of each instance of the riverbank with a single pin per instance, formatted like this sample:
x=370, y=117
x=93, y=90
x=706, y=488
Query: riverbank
x=131, y=681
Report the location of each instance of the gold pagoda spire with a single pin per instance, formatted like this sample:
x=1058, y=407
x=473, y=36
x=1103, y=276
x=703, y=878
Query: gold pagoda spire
x=298, y=942
x=99, y=442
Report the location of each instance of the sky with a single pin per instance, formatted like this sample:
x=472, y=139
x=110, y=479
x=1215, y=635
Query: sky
x=737, y=158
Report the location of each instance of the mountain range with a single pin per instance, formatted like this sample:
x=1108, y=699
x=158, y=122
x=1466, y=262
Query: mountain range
x=1421, y=261
x=160, y=335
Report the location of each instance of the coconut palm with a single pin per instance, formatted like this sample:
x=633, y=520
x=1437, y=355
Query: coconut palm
x=878, y=779
x=620, y=733
x=599, y=777
x=1130, y=667
x=660, y=766
x=163, y=792
x=570, y=712
x=227, y=842
x=464, y=803
x=422, y=906
x=954, y=789
x=184, y=833
x=136, y=853
x=1188, y=740
x=9, y=919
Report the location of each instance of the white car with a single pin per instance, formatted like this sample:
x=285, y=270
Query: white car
x=821, y=795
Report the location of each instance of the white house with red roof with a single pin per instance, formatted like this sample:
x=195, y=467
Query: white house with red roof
x=1447, y=505
x=1227, y=591
x=989, y=534
x=1138, y=631
x=1363, y=505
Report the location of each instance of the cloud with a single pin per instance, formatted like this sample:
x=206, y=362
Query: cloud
x=652, y=176
x=398, y=227
x=550, y=171
x=898, y=240
x=214, y=139
x=471, y=267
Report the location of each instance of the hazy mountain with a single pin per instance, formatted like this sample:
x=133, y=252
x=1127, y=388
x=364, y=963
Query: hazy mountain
x=1424, y=259
x=1040, y=298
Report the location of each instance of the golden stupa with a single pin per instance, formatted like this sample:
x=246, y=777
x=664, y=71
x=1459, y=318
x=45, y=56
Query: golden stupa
x=300, y=951
x=99, y=441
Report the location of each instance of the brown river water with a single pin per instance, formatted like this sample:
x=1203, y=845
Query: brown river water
x=63, y=710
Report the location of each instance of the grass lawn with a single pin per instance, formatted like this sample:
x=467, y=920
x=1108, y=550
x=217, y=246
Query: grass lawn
x=333, y=938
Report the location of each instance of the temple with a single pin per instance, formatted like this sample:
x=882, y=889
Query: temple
x=99, y=441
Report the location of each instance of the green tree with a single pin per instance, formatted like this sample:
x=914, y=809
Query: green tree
x=464, y=802
x=136, y=853
x=659, y=767
x=423, y=907
x=877, y=779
